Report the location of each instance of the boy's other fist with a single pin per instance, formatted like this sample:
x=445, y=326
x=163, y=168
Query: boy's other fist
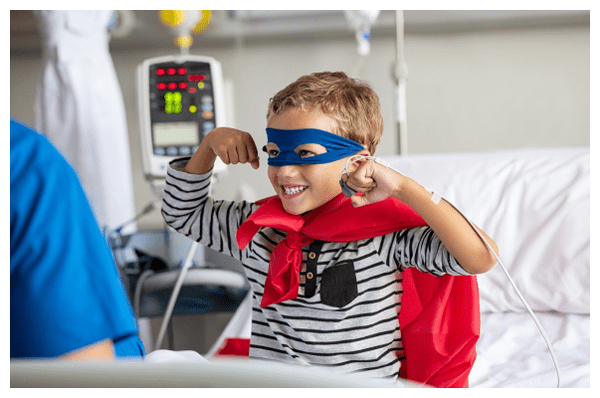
x=233, y=146
x=375, y=181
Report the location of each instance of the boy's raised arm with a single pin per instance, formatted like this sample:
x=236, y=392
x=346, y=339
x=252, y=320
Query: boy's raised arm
x=378, y=183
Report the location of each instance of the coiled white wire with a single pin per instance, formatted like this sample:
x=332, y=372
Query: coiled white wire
x=356, y=158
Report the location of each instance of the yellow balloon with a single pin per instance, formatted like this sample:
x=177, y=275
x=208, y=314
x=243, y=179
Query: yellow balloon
x=203, y=22
x=172, y=17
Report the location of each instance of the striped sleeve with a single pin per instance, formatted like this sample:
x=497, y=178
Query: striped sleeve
x=421, y=248
x=188, y=208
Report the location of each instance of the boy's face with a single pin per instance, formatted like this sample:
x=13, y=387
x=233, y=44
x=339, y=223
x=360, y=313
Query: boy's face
x=304, y=187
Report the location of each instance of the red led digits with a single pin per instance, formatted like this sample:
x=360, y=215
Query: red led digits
x=161, y=86
x=197, y=78
x=160, y=72
x=171, y=71
x=182, y=71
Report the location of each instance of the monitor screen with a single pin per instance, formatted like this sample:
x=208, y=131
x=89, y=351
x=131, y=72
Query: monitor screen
x=174, y=134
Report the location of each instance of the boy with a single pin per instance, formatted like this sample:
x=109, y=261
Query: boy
x=324, y=269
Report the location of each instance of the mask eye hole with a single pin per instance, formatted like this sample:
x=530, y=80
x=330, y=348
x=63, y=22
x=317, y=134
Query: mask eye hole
x=271, y=149
x=309, y=150
x=304, y=153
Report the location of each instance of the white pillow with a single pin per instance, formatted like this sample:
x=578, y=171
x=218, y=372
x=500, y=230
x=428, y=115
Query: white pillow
x=536, y=205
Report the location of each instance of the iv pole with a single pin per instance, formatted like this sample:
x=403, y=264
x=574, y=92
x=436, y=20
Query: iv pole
x=400, y=76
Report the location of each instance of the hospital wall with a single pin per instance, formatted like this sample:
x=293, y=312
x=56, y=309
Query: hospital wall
x=471, y=91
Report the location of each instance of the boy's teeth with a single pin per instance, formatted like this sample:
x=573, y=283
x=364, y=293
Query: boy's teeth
x=291, y=191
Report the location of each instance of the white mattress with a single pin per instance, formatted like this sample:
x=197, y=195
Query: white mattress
x=511, y=351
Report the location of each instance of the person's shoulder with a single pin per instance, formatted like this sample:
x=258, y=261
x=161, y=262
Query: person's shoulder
x=25, y=138
x=20, y=133
x=29, y=149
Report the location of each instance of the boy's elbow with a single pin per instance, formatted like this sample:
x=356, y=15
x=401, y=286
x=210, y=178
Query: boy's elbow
x=485, y=262
x=483, y=268
x=492, y=257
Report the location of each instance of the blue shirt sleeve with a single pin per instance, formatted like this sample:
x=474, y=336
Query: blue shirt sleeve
x=65, y=289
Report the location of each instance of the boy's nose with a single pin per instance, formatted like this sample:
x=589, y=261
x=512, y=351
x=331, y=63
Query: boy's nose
x=287, y=171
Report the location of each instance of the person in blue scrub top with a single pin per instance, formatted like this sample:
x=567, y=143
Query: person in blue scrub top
x=66, y=296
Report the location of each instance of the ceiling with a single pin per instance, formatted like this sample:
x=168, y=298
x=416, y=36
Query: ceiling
x=142, y=29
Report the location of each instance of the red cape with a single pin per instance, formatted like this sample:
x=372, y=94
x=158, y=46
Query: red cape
x=440, y=326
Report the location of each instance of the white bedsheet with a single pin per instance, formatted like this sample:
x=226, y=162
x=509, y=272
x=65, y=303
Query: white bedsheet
x=511, y=351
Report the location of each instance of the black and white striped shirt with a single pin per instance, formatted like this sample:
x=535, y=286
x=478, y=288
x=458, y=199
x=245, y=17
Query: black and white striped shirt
x=346, y=313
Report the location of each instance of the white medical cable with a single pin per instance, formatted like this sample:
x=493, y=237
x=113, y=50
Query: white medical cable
x=175, y=294
x=527, y=307
x=436, y=198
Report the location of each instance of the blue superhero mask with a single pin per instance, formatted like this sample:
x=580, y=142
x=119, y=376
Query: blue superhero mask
x=288, y=140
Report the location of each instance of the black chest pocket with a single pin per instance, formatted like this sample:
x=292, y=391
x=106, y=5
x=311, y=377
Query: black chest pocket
x=338, y=284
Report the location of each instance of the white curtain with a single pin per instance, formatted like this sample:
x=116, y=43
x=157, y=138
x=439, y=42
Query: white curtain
x=79, y=107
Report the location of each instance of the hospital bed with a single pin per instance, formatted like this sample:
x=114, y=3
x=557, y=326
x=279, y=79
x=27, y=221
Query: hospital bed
x=535, y=203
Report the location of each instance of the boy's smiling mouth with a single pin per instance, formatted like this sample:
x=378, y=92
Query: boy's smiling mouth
x=290, y=190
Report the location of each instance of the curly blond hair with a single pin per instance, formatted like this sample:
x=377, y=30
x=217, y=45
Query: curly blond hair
x=352, y=104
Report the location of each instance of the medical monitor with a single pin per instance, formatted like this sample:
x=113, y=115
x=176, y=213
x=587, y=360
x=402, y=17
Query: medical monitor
x=180, y=100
